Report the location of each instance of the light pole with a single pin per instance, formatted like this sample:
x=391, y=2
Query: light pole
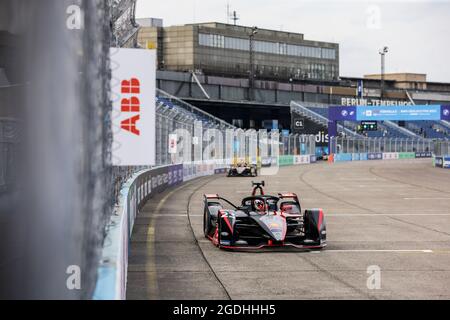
x=382, y=52
x=252, y=64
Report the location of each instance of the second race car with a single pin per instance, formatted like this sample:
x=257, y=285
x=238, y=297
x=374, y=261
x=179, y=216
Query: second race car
x=243, y=169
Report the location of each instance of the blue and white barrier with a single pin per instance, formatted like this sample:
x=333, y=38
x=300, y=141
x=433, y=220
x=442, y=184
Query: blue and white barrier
x=343, y=157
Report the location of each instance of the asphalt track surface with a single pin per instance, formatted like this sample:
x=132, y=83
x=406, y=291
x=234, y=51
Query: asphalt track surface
x=390, y=214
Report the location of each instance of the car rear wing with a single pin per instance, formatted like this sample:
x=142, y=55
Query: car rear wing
x=288, y=195
x=211, y=196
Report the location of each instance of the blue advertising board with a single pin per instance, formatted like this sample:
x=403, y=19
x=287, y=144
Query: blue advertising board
x=445, y=113
x=375, y=156
x=420, y=155
x=339, y=157
x=392, y=113
x=397, y=113
x=384, y=112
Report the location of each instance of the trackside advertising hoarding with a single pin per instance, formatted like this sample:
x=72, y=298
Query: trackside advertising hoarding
x=133, y=95
x=392, y=113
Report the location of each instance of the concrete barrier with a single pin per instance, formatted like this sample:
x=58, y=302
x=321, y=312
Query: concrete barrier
x=407, y=155
x=446, y=163
x=340, y=157
x=422, y=155
x=301, y=160
x=375, y=156
x=442, y=162
x=286, y=160
x=391, y=156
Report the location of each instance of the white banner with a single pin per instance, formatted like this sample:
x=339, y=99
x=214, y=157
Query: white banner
x=390, y=156
x=133, y=118
x=302, y=159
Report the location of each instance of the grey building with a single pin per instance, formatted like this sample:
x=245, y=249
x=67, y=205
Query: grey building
x=224, y=50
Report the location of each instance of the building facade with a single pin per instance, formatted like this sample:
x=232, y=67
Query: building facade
x=224, y=50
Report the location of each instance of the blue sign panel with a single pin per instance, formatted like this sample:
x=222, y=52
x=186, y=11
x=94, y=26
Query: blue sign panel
x=342, y=113
x=445, y=113
x=397, y=113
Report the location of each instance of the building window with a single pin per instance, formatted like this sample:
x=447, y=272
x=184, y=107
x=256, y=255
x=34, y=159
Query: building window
x=220, y=41
x=282, y=48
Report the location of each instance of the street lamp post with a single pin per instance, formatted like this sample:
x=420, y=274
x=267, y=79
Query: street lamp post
x=382, y=52
x=252, y=64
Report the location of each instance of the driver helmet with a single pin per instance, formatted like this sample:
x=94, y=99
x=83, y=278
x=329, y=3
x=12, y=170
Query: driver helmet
x=259, y=205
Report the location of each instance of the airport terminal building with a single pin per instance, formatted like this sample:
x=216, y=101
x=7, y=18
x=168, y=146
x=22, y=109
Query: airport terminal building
x=222, y=49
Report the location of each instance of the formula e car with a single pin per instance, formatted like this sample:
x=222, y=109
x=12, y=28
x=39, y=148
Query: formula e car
x=242, y=170
x=262, y=221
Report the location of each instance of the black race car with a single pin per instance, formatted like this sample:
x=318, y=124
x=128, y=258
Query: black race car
x=263, y=221
x=243, y=170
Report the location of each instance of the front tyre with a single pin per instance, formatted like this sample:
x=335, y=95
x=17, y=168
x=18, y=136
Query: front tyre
x=315, y=226
x=207, y=225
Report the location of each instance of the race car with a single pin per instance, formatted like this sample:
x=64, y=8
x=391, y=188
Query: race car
x=243, y=170
x=262, y=221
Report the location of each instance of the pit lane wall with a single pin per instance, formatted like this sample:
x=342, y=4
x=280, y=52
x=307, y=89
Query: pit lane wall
x=442, y=162
x=343, y=157
x=112, y=272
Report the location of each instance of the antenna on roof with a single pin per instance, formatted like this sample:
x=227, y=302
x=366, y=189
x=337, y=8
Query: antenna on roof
x=235, y=18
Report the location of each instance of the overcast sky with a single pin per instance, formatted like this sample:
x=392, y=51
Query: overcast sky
x=417, y=32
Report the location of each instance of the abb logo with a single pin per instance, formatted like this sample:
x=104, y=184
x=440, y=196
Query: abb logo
x=132, y=105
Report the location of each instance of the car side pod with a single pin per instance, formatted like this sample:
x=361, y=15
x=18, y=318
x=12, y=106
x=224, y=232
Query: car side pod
x=315, y=226
x=225, y=228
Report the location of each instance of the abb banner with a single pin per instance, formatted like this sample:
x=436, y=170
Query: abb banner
x=133, y=118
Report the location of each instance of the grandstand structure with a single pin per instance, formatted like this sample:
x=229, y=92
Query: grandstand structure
x=172, y=114
x=318, y=113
